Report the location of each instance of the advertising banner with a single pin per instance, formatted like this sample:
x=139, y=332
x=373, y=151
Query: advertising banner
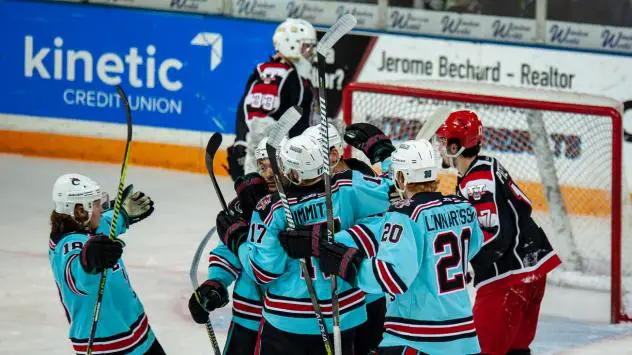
x=461, y=25
x=406, y=58
x=180, y=71
x=577, y=35
x=317, y=12
x=199, y=6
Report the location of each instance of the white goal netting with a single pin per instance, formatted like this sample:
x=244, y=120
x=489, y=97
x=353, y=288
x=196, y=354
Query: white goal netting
x=569, y=180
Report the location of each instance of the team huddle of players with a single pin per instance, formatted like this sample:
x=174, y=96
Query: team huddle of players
x=401, y=253
x=408, y=254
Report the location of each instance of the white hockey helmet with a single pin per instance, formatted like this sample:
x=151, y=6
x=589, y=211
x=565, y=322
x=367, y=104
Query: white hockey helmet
x=72, y=189
x=335, y=140
x=416, y=160
x=295, y=40
x=302, y=155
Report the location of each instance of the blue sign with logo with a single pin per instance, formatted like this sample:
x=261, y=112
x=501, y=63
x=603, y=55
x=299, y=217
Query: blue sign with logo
x=179, y=70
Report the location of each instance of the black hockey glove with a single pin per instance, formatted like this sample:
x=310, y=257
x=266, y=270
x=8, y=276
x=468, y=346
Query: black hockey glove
x=250, y=189
x=99, y=253
x=303, y=242
x=232, y=230
x=338, y=259
x=236, y=158
x=208, y=297
x=369, y=139
x=136, y=205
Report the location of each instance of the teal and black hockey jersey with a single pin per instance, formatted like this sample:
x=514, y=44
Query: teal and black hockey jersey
x=225, y=267
x=419, y=253
x=287, y=304
x=123, y=326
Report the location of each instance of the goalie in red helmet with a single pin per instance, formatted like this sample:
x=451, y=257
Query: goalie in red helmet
x=510, y=269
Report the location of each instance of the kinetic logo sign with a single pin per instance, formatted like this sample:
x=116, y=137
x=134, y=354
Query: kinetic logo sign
x=171, y=65
x=134, y=69
x=109, y=68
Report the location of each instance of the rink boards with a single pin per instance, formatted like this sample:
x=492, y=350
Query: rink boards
x=185, y=74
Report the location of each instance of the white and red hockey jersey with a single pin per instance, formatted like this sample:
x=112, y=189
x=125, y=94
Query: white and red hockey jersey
x=515, y=249
x=273, y=87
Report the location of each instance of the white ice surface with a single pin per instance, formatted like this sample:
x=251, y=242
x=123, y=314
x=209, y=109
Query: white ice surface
x=158, y=255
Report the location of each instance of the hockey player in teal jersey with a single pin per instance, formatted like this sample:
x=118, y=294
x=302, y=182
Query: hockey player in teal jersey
x=425, y=243
x=224, y=266
x=369, y=334
x=289, y=322
x=79, y=251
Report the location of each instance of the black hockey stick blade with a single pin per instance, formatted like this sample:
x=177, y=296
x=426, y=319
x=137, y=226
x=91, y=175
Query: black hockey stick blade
x=211, y=149
x=128, y=111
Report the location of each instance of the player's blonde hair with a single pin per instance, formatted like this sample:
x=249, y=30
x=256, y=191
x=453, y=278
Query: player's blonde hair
x=428, y=186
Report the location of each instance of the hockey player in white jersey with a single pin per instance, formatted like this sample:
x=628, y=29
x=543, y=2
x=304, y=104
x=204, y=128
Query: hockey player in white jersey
x=274, y=86
x=425, y=243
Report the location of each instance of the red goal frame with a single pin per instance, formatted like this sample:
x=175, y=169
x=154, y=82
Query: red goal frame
x=616, y=312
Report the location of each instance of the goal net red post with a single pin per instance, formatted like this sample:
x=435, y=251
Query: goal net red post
x=564, y=151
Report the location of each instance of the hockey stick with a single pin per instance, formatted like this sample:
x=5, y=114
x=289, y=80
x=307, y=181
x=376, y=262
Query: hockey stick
x=115, y=214
x=196, y=284
x=282, y=127
x=433, y=123
x=213, y=144
x=211, y=148
x=339, y=29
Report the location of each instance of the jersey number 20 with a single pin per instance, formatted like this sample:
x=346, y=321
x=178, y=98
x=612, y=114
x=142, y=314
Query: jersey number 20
x=455, y=259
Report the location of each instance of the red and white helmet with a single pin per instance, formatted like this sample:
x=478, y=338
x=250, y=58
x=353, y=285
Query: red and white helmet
x=464, y=127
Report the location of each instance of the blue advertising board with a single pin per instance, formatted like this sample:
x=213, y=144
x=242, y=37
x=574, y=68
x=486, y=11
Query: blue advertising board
x=179, y=70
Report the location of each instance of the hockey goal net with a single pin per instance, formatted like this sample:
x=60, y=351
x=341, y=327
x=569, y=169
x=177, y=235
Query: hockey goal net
x=564, y=150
